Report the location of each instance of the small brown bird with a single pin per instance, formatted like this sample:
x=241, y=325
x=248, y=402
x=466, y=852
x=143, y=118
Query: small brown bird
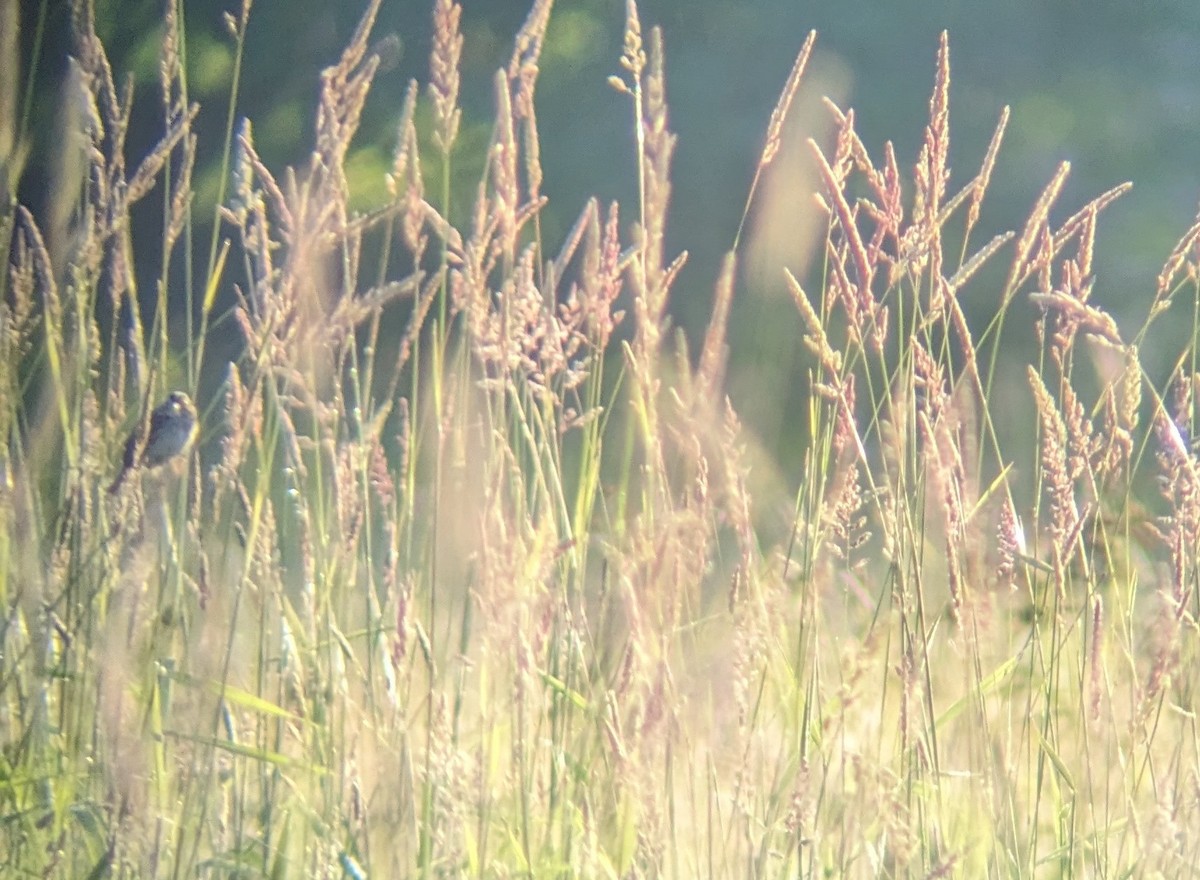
x=171, y=433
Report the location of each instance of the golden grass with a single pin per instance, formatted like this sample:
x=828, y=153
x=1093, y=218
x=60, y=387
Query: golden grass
x=473, y=574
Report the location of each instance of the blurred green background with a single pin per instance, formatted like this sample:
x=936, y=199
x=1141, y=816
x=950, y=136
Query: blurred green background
x=1113, y=86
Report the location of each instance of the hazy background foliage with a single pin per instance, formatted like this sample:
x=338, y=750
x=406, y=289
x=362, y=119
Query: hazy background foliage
x=1109, y=86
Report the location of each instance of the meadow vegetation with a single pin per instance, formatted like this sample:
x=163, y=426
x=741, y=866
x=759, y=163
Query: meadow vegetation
x=468, y=575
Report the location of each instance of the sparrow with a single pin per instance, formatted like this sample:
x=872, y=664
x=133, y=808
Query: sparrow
x=171, y=433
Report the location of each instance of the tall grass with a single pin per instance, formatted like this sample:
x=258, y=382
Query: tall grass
x=469, y=576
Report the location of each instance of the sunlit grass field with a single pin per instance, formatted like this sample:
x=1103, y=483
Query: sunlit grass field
x=475, y=570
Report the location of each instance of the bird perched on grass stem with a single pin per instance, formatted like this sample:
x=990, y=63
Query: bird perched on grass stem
x=169, y=435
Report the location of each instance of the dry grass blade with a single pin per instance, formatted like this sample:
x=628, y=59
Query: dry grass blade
x=937, y=136
x=444, y=65
x=846, y=220
x=405, y=142
x=780, y=111
x=774, y=136
x=633, y=58
x=968, y=269
x=985, y=172
x=143, y=179
x=1087, y=318
x=817, y=340
x=712, y=355
x=1033, y=227
x=1184, y=249
x=1087, y=214
x=1064, y=513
